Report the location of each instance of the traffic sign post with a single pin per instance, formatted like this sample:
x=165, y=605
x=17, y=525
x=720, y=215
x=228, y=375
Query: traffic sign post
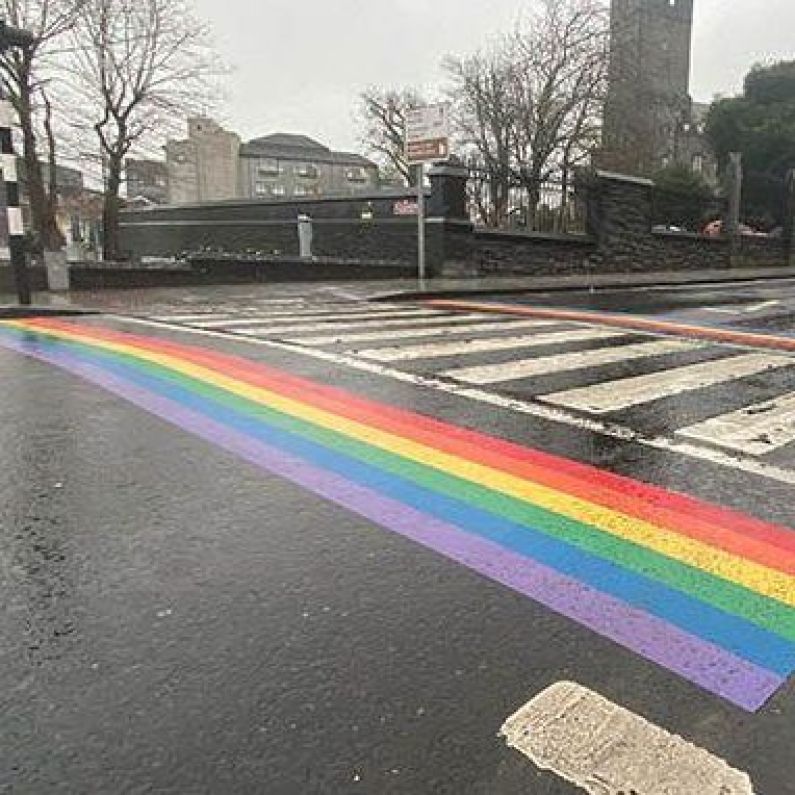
x=427, y=140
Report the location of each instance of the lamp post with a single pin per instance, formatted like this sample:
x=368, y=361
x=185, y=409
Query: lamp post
x=13, y=37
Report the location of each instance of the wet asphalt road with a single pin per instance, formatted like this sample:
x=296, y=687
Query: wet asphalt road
x=767, y=306
x=176, y=621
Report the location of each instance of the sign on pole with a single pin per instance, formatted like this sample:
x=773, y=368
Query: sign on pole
x=428, y=133
x=427, y=140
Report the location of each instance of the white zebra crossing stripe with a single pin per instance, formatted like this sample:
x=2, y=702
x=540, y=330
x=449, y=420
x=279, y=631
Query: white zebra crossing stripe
x=754, y=430
x=435, y=350
x=269, y=330
x=627, y=392
x=567, y=362
x=189, y=318
x=419, y=333
x=314, y=317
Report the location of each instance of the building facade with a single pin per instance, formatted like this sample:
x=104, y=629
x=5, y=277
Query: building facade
x=295, y=166
x=211, y=164
x=203, y=166
x=147, y=180
x=651, y=120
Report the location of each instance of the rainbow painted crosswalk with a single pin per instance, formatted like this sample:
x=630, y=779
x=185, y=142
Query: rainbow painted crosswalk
x=705, y=592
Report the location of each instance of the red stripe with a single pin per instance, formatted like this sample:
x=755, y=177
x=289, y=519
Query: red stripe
x=721, y=527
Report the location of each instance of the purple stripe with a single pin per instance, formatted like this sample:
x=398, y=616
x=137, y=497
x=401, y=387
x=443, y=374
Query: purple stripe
x=737, y=680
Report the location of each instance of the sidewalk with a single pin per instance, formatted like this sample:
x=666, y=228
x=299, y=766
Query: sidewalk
x=143, y=300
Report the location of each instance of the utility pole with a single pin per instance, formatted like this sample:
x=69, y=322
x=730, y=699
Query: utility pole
x=13, y=37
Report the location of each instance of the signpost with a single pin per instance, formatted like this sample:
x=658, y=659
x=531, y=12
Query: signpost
x=427, y=140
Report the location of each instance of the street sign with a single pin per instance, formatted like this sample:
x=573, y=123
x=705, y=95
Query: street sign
x=427, y=141
x=428, y=133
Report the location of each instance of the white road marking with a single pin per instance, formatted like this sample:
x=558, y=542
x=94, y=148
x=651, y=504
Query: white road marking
x=604, y=749
x=269, y=329
x=434, y=350
x=754, y=430
x=759, y=307
x=568, y=362
x=610, y=430
x=315, y=317
x=627, y=392
x=189, y=318
x=419, y=333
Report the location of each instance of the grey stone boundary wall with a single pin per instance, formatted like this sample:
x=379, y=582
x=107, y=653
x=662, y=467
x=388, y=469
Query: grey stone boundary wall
x=258, y=240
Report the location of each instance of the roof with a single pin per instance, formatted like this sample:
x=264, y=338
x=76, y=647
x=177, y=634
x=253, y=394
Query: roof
x=288, y=146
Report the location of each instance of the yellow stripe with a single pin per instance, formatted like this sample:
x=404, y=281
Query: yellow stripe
x=751, y=575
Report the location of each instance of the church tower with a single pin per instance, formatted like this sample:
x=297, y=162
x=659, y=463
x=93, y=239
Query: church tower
x=648, y=107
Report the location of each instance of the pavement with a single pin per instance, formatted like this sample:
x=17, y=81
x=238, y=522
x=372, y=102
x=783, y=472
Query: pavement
x=300, y=569
x=149, y=299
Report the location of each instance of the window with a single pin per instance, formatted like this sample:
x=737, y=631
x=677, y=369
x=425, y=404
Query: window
x=301, y=190
x=357, y=174
x=307, y=170
x=278, y=190
x=268, y=167
x=698, y=164
x=262, y=189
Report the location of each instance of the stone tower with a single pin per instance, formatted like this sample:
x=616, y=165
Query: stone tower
x=648, y=114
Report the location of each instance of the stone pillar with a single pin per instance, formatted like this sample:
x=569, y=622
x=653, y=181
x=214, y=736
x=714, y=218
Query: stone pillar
x=620, y=219
x=305, y=236
x=734, y=194
x=449, y=231
x=57, y=271
x=448, y=192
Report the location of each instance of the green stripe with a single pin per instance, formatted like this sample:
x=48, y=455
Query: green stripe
x=727, y=596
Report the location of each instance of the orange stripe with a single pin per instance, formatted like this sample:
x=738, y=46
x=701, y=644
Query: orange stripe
x=642, y=324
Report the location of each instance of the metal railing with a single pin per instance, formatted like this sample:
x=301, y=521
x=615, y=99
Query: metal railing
x=504, y=202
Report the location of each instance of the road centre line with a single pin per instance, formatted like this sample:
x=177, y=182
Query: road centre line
x=602, y=748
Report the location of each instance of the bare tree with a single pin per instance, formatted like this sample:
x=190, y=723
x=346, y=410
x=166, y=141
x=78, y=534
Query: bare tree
x=530, y=108
x=24, y=75
x=481, y=92
x=139, y=66
x=560, y=77
x=382, y=115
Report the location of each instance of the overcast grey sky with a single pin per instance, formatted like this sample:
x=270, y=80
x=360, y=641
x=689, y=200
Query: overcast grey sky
x=298, y=66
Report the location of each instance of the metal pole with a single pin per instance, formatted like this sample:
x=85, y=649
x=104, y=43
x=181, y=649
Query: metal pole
x=16, y=229
x=421, y=221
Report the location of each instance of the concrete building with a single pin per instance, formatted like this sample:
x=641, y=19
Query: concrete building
x=204, y=166
x=284, y=165
x=212, y=165
x=147, y=180
x=650, y=118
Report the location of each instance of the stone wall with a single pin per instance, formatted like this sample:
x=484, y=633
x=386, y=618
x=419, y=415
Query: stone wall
x=37, y=275
x=372, y=228
x=365, y=227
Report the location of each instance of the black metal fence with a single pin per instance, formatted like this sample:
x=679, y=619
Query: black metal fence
x=504, y=202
